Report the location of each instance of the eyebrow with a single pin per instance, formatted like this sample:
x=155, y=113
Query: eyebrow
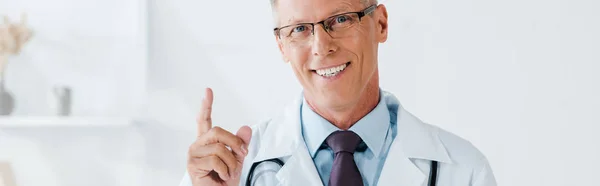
x=338, y=10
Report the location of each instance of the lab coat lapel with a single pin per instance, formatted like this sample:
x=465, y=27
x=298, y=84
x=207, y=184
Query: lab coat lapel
x=400, y=170
x=299, y=170
x=415, y=140
x=285, y=141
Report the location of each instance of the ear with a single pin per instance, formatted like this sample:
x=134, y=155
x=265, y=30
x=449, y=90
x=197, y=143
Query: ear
x=382, y=23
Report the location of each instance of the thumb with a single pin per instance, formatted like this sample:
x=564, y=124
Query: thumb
x=245, y=133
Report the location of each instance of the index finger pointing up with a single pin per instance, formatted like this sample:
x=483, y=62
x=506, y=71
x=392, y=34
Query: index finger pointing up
x=204, y=119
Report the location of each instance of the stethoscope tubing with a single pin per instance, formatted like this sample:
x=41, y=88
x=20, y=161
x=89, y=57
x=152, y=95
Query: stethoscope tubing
x=433, y=174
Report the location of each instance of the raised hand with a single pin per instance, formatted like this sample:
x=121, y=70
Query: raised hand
x=217, y=156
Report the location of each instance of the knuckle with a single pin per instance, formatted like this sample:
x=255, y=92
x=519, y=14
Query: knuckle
x=193, y=163
x=226, y=155
x=211, y=134
x=217, y=130
x=215, y=163
x=192, y=149
x=233, y=168
x=190, y=152
x=213, y=131
x=238, y=142
x=203, y=116
x=234, y=164
x=210, y=160
x=214, y=160
x=207, y=105
x=221, y=147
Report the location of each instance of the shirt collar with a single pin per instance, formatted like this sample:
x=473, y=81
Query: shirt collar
x=314, y=128
x=372, y=128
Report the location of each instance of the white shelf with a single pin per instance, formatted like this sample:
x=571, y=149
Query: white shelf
x=58, y=121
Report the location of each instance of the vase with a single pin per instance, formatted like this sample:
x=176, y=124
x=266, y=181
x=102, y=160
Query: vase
x=7, y=102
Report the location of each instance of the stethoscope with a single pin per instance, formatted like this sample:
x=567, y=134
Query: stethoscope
x=277, y=162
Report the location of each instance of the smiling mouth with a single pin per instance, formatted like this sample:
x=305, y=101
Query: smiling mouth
x=333, y=71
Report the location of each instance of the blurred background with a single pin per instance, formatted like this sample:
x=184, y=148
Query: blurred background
x=105, y=92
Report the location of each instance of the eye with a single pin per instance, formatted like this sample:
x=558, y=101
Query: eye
x=299, y=28
x=341, y=19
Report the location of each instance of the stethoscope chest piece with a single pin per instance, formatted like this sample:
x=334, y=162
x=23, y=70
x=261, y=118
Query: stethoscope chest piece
x=263, y=172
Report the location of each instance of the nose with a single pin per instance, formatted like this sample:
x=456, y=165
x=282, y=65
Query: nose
x=323, y=44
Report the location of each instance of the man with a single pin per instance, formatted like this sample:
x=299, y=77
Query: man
x=344, y=130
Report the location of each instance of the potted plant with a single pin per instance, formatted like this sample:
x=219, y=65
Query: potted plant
x=12, y=38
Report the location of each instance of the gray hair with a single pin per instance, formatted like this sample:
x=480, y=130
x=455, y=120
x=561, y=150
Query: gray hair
x=366, y=2
x=274, y=12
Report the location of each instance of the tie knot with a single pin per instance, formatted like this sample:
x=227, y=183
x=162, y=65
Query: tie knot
x=343, y=141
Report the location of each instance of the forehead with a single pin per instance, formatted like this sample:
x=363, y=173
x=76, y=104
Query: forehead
x=298, y=11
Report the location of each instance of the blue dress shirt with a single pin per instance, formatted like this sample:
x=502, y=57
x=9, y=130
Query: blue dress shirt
x=377, y=130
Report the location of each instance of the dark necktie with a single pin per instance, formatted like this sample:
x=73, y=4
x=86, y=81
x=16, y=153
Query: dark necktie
x=344, y=171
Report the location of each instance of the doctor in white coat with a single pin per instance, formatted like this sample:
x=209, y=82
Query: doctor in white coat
x=343, y=129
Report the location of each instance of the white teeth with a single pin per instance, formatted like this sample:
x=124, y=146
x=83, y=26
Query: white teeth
x=331, y=71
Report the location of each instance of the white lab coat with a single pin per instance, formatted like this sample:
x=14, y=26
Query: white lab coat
x=407, y=164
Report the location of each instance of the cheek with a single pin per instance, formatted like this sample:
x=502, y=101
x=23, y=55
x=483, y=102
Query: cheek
x=364, y=50
x=298, y=59
x=298, y=62
x=366, y=43
x=299, y=54
x=360, y=47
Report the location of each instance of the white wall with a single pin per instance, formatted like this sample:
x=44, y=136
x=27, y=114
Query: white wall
x=517, y=78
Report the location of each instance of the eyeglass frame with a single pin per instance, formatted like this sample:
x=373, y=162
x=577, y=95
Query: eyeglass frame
x=360, y=14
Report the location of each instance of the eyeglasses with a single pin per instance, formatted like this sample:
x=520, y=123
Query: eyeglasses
x=334, y=26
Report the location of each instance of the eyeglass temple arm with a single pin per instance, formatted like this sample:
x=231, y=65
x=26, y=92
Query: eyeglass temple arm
x=367, y=11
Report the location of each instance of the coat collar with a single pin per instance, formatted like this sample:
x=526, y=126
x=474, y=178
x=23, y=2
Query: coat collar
x=283, y=134
x=282, y=138
x=416, y=139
